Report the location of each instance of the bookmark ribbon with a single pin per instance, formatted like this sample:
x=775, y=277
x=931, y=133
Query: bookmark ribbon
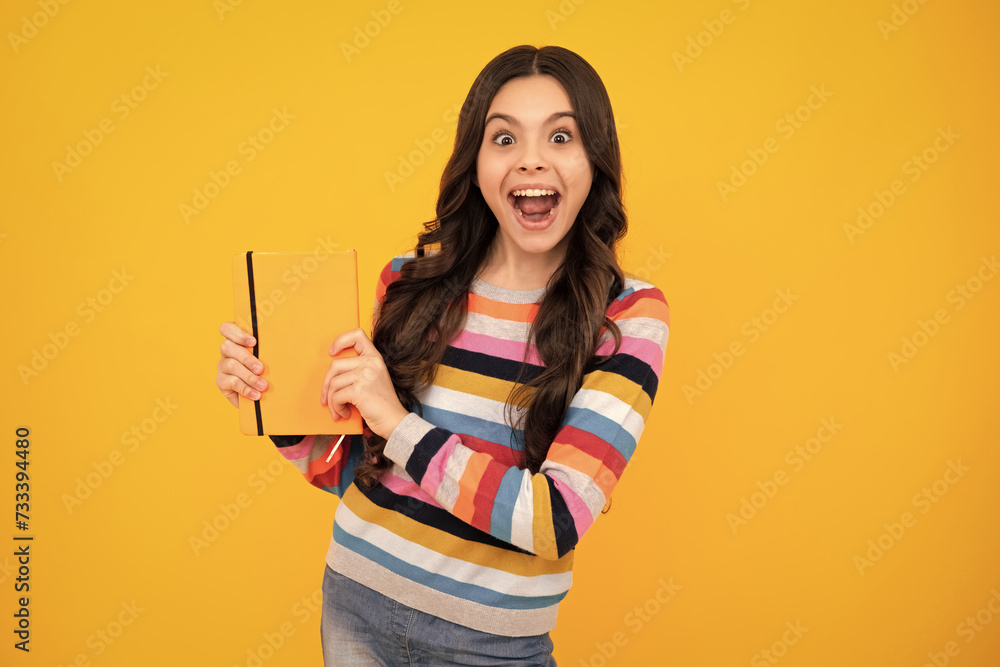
x=256, y=334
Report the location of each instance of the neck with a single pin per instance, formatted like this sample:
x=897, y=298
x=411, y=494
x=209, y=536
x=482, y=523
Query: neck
x=518, y=270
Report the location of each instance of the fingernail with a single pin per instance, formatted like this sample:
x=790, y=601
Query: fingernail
x=251, y=341
x=262, y=383
x=254, y=394
x=257, y=368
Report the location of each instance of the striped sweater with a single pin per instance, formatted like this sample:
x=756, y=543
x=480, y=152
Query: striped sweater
x=457, y=527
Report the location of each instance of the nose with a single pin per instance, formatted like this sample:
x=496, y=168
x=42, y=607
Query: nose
x=531, y=158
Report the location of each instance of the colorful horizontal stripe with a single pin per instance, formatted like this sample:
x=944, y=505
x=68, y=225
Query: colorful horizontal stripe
x=457, y=527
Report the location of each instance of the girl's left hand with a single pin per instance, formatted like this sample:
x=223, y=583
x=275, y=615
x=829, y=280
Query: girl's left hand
x=364, y=382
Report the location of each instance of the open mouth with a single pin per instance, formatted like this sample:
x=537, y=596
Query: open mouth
x=535, y=206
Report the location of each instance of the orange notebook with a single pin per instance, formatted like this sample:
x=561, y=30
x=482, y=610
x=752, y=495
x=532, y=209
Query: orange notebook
x=295, y=304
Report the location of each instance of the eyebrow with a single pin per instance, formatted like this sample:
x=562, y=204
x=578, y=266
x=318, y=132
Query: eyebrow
x=513, y=121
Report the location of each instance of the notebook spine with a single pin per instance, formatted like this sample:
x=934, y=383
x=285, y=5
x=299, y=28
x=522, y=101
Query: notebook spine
x=256, y=334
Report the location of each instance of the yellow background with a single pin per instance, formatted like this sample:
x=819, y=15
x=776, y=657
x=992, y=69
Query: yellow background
x=721, y=261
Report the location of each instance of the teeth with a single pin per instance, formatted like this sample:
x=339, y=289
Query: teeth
x=532, y=193
x=521, y=213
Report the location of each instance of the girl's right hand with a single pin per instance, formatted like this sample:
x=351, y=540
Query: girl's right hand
x=238, y=370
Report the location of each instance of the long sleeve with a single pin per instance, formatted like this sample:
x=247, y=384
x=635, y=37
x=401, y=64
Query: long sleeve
x=309, y=454
x=548, y=512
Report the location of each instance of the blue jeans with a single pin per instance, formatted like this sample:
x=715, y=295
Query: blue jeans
x=363, y=627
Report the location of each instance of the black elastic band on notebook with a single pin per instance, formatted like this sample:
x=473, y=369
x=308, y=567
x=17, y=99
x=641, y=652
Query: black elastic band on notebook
x=256, y=337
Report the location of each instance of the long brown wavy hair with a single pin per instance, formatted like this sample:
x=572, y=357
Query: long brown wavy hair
x=425, y=307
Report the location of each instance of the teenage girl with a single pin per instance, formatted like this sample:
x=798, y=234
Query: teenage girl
x=510, y=372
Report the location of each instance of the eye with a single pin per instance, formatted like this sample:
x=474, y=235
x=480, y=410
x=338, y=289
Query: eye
x=566, y=134
x=499, y=135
